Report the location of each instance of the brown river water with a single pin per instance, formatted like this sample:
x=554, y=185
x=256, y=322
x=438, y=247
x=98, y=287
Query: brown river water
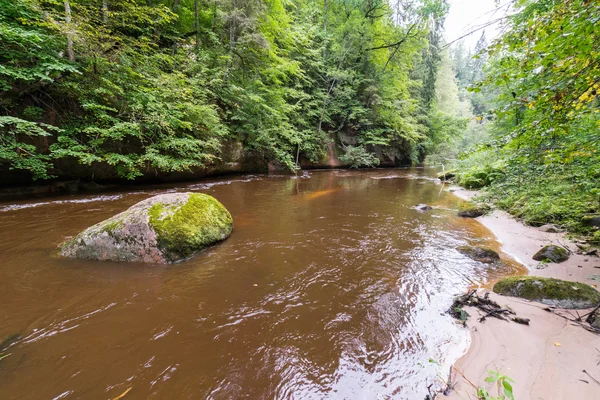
x=332, y=286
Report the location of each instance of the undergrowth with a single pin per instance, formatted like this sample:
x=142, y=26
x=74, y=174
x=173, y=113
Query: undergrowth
x=538, y=193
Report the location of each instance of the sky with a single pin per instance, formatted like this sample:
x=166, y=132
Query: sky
x=466, y=15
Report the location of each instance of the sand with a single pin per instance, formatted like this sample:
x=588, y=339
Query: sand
x=547, y=358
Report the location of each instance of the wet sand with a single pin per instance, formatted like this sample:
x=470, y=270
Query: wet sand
x=547, y=358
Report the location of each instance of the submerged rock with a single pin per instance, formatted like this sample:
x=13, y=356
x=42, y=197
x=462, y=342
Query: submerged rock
x=549, y=291
x=473, y=210
x=423, y=207
x=551, y=253
x=481, y=254
x=161, y=229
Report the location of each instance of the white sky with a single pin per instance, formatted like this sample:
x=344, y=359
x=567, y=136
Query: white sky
x=466, y=15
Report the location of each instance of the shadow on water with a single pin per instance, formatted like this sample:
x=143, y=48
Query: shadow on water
x=331, y=286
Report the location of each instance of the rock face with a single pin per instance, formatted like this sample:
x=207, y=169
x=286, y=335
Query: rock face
x=161, y=229
x=549, y=291
x=551, y=253
x=481, y=254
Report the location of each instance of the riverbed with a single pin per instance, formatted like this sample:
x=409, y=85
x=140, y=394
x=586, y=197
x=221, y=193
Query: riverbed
x=332, y=286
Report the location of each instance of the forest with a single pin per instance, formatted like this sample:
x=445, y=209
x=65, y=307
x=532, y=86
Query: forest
x=121, y=89
x=157, y=86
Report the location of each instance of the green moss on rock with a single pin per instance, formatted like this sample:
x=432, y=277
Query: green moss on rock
x=551, y=253
x=470, y=210
x=161, y=229
x=183, y=230
x=481, y=254
x=446, y=176
x=550, y=291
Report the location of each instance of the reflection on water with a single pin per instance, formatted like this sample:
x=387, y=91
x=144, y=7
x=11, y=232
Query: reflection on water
x=331, y=287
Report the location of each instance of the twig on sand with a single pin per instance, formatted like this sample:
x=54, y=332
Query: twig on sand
x=449, y=385
x=565, y=247
x=577, y=321
x=588, y=374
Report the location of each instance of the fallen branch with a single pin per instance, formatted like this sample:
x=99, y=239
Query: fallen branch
x=485, y=304
x=449, y=385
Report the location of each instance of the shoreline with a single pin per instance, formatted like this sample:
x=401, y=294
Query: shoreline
x=547, y=358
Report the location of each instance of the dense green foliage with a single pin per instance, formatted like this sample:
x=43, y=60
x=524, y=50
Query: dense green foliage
x=146, y=86
x=541, y=161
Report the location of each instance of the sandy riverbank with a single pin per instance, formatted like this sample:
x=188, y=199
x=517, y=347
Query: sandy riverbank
x=547, y=358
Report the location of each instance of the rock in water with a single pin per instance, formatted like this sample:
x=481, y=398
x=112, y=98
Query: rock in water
x=481, y=254
x=162, y=229
x=553, y=292
x=423, y=207
x=551, y=253
x=446, y=176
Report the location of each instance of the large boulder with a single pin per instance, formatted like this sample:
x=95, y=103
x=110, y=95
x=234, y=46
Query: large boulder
x=551, y=253
x=162, y=229
x=549, y=291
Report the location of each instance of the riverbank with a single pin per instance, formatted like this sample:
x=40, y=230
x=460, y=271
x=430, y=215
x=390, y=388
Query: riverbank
x=547, y=358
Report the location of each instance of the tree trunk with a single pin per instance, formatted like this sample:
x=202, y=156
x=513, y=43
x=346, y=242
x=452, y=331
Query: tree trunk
x=325, y=15
x=197, y=24
x=104, y=12
x=232, y=25
x=70, y=52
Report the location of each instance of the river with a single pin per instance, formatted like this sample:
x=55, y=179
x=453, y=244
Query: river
x=332, y=286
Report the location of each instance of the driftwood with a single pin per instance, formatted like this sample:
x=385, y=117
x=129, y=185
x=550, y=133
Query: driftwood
x=485, y=304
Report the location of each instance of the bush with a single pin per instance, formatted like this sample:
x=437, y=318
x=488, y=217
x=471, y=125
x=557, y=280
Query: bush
x=358, y=156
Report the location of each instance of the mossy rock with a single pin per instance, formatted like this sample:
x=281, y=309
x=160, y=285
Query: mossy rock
x=446, y=176
x=594, y=319
x=549, y=291
x=551, y=253
x=162, y=229
x=470, y=210
x=481, y=254
x=591, y=220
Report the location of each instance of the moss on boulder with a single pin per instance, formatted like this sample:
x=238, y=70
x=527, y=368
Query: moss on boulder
x=446, y=176
x=470, y=210
x=551, y=253
x=481, y=254
x=549, y=291
x=161, y=229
